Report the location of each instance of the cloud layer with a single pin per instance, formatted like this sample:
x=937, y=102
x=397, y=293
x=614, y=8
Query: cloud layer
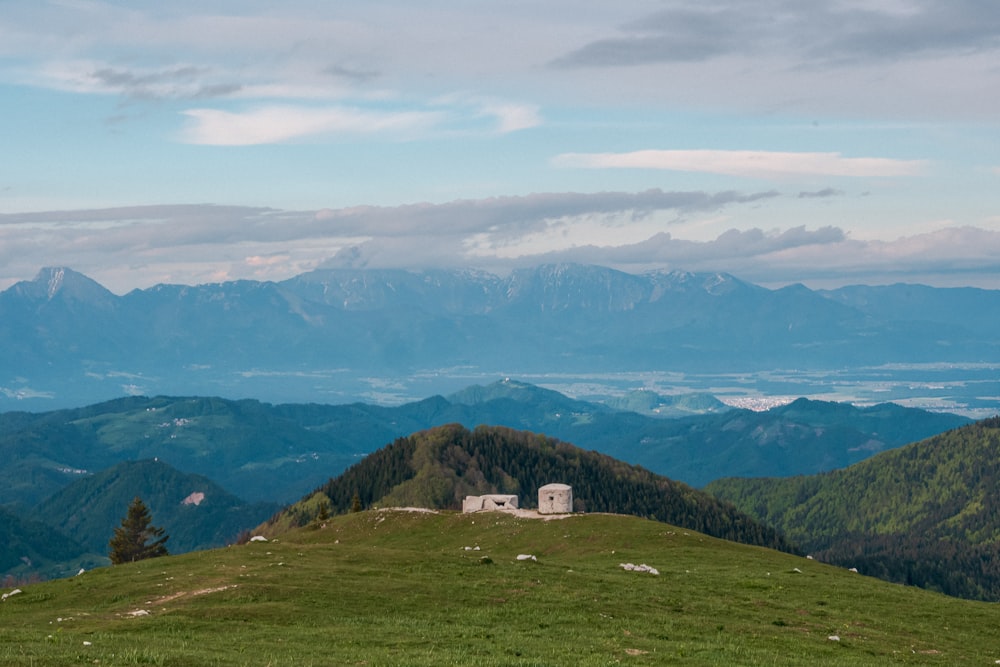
x=137, y=247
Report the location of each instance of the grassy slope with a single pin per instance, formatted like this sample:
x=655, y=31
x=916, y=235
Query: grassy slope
x=390, y=587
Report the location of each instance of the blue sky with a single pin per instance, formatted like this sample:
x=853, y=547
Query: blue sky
x=779, y=140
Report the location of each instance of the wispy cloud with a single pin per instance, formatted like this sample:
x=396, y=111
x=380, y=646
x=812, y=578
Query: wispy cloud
x=818, y=33
x=821, y=194
x=755, y=164
x=277, y=124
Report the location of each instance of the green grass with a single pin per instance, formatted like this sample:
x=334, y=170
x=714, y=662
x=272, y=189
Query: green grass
x=395, y=588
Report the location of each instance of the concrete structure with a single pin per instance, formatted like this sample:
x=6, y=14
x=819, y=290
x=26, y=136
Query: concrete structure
x=490, y=503
x=555, y=499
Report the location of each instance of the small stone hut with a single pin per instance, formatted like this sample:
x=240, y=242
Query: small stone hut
x=555, y=499
x=489, y=503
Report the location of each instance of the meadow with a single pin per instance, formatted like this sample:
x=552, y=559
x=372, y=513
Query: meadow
x=390, y=587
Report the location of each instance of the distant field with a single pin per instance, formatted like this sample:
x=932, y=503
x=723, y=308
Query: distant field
x=399, y=588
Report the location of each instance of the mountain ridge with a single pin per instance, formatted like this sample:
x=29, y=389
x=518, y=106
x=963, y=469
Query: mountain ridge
x=252, y=448
x=329, y=329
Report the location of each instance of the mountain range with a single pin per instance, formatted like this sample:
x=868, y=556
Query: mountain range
x=65, y=340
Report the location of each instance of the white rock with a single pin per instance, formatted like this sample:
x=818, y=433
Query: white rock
x=631, y=567
x=14, y=592
x=258, y=538
x=526, y=557
x=835, y=638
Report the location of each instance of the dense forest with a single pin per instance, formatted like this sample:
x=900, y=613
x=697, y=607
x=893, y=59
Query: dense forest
x=927, y=514
x=437, y=468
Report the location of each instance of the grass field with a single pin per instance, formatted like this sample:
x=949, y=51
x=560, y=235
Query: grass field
x=400, y=588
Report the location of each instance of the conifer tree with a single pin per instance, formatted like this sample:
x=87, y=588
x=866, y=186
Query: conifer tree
x=324, y=510
x=131, y=541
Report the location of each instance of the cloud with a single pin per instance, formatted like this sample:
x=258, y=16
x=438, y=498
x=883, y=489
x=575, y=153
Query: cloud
x=180, y=82
x=753, y=164
x=821, y=194
x=513, y=117
x=807, y=33
x=283, y=123
x=352, y=74
x=826, y=256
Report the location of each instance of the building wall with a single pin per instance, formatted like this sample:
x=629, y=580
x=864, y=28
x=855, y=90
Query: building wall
x=555, y=499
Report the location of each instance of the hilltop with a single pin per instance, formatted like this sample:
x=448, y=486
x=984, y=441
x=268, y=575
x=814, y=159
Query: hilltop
x=437, y=468
x=391, y=587
x=924, y=514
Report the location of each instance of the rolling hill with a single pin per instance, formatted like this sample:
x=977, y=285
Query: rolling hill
x=390, y=587
x=927, y=514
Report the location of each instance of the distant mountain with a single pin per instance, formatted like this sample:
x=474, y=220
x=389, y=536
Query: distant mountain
x=68, y=341
x=966, y=308
x=925, y=514
x=437, y=468
x=196, y=512
x=276, y=453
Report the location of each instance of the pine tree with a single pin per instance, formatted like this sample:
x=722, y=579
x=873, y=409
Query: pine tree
x=324, y=510
x=356, y=503
x=131, y=541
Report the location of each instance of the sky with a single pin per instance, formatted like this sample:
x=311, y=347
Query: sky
x=782, y=141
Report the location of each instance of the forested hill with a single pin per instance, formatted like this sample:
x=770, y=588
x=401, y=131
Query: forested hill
x=927, y=514
x=437, y=468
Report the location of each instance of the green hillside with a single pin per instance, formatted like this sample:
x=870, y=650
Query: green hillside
x=927, y=514
x=437, y=468
x=247, y=446
x=32, y=550
x=404, y=588
x=196, y=512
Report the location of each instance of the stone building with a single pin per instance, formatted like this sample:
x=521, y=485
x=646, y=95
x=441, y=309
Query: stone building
x=489, y=503
x=555, y=499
